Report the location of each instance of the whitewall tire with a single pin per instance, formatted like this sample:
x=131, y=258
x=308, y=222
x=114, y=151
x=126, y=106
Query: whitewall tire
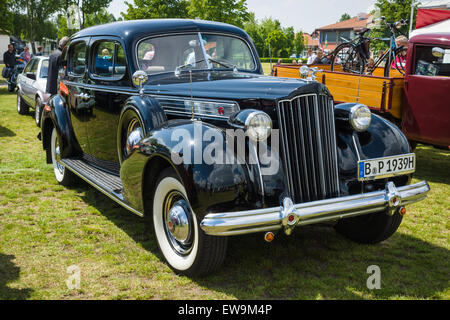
x=185, y=247
x=62, y=175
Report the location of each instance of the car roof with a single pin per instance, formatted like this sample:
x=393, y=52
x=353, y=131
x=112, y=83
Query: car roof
x=132, y=29
x=432, y=38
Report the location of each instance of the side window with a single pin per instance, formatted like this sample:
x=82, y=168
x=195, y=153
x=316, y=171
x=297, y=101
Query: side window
x=108, y=60
x=28, y=67
x=432, y=61
x=35, y=66
x=77, y=58
x=44, y=69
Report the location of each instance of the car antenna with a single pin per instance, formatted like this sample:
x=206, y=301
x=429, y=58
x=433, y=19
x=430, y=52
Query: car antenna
x=192, y=99
x=359, y=83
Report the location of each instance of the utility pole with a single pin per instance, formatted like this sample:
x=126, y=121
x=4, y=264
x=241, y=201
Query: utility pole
x=411, y=17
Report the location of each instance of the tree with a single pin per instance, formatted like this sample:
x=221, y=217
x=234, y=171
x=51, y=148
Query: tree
x=36, y=13
x=151, y=9
x=100, y=17
x=277, y=40
x=5, y=16
x=229, y=11
x=393, y=10
x=344, y=17
x=299, y=43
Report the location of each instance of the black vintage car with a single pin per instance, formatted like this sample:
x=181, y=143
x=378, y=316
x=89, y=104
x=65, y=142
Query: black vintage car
x=141, y=103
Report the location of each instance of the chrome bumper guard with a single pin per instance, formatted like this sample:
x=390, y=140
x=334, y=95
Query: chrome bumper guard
x=290, y=215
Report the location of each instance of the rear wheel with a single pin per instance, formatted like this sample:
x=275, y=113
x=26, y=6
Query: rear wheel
x=37, y=111
x=347, y=59
x=370, y=228
x=62, y=175
x=22, y=108
x=184, y=245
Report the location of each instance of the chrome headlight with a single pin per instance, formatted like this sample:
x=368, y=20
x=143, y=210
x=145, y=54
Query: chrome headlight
x=360, y=117
x=258, y=126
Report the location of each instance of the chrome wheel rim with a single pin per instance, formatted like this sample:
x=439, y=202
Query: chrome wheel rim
x=18, y=101
x=178, y=223
x=37, y=111
x=57, y=156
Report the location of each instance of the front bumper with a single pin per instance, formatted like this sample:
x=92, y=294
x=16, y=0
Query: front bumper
x=290, y=215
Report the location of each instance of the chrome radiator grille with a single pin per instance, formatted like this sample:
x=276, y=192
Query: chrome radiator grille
x=308, y=144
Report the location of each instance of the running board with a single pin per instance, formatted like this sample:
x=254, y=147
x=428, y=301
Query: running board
x=107, y=183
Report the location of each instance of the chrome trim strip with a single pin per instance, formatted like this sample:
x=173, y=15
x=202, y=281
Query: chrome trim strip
x=269, y=219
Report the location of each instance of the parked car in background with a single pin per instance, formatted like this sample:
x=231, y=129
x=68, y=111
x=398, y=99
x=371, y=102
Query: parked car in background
x=140, y=103
x=31, y=85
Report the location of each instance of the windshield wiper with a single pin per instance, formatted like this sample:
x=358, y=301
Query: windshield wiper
x=226, y=65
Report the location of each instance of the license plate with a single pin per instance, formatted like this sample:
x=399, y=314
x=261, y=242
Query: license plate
x=372, y=169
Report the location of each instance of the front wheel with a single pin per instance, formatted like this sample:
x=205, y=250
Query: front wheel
x=184, y=245
x=347, y=59
x=370, y=228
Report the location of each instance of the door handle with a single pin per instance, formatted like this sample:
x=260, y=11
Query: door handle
x=83, y=96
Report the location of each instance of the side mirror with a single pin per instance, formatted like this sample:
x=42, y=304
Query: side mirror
x=438, y=52
x=139, y=78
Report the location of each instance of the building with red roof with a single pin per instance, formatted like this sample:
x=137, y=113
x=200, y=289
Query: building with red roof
x=330, y=36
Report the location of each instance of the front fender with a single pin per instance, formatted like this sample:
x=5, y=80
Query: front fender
x=210, y=187
x=381, y=139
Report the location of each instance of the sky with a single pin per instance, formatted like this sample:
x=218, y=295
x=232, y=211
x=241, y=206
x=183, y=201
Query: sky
x=305, y=15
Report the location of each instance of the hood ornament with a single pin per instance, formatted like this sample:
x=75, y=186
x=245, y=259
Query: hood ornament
x=309, y=74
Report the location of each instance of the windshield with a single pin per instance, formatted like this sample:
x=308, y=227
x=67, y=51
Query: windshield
x=194, y=51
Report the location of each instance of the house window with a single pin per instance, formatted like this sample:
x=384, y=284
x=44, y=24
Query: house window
x=328, y=36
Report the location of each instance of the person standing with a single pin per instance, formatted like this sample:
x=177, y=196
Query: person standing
x=9, y=57
x=25, y=55
x=311, y=57
x=54, y=62
x=40, y=51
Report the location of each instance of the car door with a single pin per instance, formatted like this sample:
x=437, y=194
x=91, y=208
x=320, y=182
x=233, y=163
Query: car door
x=108, y=81
x=25, y=81
x=74, y=80
x=32, y=77
x=426, y=112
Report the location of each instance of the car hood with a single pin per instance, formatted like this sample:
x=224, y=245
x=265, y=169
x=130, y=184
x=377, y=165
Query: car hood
x=229, y=85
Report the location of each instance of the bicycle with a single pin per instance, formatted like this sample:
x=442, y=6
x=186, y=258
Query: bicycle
x=353, y=55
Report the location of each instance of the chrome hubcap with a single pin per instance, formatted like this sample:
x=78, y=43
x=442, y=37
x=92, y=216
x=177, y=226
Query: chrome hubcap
x=37, y=112
x=58, y=157
x=178, y=223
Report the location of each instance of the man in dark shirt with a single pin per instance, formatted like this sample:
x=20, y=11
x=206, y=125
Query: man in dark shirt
x=9, y=57
x=54, y=62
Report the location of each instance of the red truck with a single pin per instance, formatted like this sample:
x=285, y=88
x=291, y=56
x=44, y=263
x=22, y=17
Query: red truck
x=426, y=99
x=418, y=102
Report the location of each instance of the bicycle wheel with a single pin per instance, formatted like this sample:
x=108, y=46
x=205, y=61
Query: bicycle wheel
x=396, y=63
x=347, y=59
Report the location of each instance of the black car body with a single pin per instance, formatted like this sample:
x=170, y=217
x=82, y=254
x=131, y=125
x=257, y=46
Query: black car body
x=127, y=87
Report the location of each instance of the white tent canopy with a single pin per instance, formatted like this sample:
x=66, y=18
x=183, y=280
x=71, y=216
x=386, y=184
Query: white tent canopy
x=435, y=4
x=439, y=27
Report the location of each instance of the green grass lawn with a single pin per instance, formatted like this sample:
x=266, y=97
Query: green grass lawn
x=45, y=228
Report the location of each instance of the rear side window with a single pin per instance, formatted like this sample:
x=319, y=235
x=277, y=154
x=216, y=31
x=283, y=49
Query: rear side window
x=108, y=60
x=77, y=58
x=44, y=69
